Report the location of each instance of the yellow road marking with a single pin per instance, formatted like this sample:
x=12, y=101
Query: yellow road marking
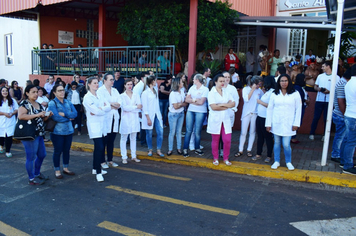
x=154, y=174
x=175, y=201
x=8, y=230
x=122, y=229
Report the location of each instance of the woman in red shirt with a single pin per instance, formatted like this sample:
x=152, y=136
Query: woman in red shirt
x=231, y=60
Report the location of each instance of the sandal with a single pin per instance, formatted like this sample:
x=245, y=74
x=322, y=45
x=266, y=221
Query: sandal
x=255, y=158
x=216, y=162
x=249, y=154
x=159, y=153
x=268, y=159
x=238, y=154
x=227, y=163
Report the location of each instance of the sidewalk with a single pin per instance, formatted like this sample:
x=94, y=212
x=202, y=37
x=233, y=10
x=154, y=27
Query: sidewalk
x=306, y=158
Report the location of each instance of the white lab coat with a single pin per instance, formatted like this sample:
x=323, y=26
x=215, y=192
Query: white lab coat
x=284, y=112
x=236, y=98
x=217, y=118
x=7, y=125
x=112, y=113
x=150, y=106
x=96, y=123
x=130, y=122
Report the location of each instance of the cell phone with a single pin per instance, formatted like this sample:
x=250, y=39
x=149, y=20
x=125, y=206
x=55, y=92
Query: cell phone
x=47, y=113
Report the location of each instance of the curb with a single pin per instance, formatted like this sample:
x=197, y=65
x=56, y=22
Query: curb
x=307, y=176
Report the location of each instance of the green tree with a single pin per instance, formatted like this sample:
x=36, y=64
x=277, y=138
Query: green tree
x=159, y=22
x=347, y=46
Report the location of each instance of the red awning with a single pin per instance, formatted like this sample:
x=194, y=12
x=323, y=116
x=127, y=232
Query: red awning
x=9, y=6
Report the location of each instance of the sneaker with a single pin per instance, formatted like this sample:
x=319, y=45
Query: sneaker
x=136, y=160
x=199, y=152
x=351, y=171
x=124, y=161
x=8, y=154
x=104, y=172
x=268, y=160
x=201, y=147
x=185, y=153
x=227, y=163
x=311, y=137
x=113, y=164
x=1, y=149
x=322, y=139
x=36, y=181
x=104, y=165
x=335, y=159
x=275, y=165
x=42, y=176
x=342, y=165
x=191, y=149
x=290, y=166
x=255, y=158
x=99, y=178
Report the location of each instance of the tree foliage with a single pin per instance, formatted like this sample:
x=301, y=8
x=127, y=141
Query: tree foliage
x=347, y=46
x=160, y=22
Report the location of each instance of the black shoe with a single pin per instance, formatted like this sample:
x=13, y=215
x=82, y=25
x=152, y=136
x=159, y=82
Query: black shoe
x=43, y=177
x=169, y=153
x=351, y=171
x=36, y=181
x=185, y=153
x=199, y=152
x=342, y=165
x=335, y=159
x=179, y=152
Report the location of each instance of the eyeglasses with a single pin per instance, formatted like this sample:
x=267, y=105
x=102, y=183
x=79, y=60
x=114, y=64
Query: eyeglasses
x=111, y=79
x=60, y=90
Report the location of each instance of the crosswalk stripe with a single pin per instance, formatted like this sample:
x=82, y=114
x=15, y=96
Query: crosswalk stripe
x=175, y=201
x=8, y=230
x=154, y=174
x=122, y=229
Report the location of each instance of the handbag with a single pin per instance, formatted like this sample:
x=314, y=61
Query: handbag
x=50, y=124
x=25, y=129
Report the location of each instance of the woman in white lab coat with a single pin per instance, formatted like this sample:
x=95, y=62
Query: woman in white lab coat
x=112, y=96
x=250, y=94
x=151, y=115
x=130, y=123
x=283, y=118
x=8, y=111
x=96, y=108
x=219, y=124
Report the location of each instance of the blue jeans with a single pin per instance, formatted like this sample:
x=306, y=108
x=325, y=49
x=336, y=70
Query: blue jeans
x=175, y=128
x=163, y=106
x=61, y=144
x=339, y=135
x=35, y=153
x=349, y=143
x=193, y=119
x=159, y=131
x=99, y=153
x=320, y=107
x=285, y=141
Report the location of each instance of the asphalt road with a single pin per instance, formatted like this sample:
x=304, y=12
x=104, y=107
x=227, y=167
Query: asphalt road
x=159, y=199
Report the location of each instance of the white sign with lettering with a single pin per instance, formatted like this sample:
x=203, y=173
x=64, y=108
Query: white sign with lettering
x=65, y=37
x=289, y=5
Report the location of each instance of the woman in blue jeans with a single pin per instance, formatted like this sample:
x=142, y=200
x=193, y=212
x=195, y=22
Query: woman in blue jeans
x=284, y=112
x=151, y=115
x=33, y=112
x=196, y=97
x=176, y=115
x=63, y=113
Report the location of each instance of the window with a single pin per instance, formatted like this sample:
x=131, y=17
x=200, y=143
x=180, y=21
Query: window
x=9, y=53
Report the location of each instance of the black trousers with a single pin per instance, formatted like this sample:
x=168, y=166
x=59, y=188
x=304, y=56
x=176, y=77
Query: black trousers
x=99, y=153
x=263, y=135
x=7, y=142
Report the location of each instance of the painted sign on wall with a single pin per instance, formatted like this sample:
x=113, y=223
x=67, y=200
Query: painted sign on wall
x=289, y=5
x=65, y=37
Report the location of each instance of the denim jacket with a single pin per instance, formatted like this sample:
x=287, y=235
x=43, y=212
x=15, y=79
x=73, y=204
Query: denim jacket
x=64, y=124
x=80, y=89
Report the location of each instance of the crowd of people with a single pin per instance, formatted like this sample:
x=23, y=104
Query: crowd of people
x=273, y=108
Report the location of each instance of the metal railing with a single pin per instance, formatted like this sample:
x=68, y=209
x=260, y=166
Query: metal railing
x=130, y=60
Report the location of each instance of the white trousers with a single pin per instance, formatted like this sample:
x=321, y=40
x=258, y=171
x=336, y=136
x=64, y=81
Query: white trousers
x=249, y=120
x=123, y=142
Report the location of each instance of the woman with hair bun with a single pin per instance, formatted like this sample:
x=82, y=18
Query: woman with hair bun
x=250, y=94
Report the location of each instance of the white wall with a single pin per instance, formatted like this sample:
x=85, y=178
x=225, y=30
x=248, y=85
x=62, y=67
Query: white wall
x=25, y=37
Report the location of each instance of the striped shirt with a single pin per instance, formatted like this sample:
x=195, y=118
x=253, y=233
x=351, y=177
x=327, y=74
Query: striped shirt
x=339, y=93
